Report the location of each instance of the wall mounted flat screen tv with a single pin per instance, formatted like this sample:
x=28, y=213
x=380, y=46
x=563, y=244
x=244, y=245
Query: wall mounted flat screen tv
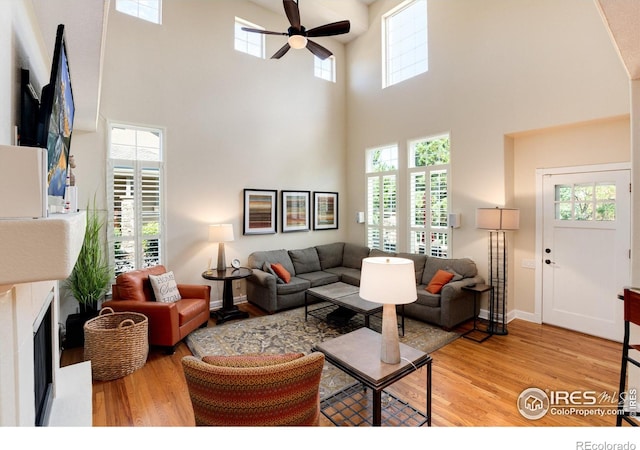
x=57, y=110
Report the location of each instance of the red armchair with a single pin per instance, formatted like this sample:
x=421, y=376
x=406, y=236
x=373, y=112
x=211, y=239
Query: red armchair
x=169, y=323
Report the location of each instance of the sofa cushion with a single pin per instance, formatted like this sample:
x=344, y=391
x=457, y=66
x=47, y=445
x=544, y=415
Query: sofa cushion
x=165, y=288
x=330, y=255
x=188, y=308
x=464, y=266
x=257, y=259
x=305, y=260
x=441, y=278
x=418, y=263
x=347, y=275
x=281, y=272
x=319, y=278
x=426, y=298
x=353, y=255
x=376, y=253
x=294, y=286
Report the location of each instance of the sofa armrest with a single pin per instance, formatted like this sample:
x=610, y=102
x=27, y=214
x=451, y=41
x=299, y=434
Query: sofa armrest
x=261, y=290
x=262, y=278
x=453, y=289
x=195, y=291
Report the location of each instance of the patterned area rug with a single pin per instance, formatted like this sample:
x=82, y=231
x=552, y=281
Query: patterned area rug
x=289, y=332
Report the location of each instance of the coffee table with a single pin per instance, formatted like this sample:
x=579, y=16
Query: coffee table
x=358, y=354
x=349, y=302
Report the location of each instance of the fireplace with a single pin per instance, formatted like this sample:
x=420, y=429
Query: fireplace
x=43, y=365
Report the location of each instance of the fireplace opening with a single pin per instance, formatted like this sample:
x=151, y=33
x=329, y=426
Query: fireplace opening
x=43, y=366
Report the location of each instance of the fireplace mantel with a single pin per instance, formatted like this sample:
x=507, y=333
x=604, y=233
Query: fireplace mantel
x=40, y=249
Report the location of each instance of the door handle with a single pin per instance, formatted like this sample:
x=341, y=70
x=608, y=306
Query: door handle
x=548, y=261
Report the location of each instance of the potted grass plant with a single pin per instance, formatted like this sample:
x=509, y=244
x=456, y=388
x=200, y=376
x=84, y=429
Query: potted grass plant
x=89, y=280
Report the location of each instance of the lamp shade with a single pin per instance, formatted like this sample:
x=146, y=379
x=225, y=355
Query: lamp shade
x=221, y=233
x=497, y=218
x=388, y=280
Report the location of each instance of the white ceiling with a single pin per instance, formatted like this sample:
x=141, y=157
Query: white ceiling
x=622, y=18
x=86, y=23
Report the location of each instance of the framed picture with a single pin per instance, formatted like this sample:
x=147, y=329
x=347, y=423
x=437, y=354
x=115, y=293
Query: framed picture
x=296, y=210
x=260, y=211
x=325, y=210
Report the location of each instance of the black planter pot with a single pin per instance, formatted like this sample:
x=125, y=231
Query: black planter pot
x=89, y=308
x=74, y=336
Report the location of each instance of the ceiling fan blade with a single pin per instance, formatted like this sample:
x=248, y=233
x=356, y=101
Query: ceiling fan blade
x=280, y=53
x=330, y=29
x=318, y=50
x=293, y=13
x=255, y=30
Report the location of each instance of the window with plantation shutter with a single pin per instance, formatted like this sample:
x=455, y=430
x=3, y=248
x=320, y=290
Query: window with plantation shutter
x=382, y=226
x=136, y=207
x=429, y=196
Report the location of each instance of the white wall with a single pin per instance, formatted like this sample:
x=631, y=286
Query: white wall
x=496, y=67
x=232, y=121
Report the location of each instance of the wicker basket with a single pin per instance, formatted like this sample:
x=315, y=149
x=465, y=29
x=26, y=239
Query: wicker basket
x=116, y=343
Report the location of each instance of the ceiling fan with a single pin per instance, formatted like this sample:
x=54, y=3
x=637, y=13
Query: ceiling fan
x=298, y=35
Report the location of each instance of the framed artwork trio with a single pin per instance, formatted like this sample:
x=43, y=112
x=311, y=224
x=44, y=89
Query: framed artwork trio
x=299, y=211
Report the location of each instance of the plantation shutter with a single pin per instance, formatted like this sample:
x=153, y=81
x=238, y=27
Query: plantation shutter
x=381, y=212
x=135, y=186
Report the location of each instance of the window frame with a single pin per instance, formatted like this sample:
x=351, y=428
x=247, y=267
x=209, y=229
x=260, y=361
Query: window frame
x=319, y=68
x=387, y=79
x=138, y=166
x=238, y=23
x=138, y=4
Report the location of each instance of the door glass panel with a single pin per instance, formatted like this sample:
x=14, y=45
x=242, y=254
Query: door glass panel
x=583, y=211
x=586, y=202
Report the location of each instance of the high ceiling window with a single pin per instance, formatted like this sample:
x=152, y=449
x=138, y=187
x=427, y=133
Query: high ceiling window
x=325, y=69
x=149, y=10
x=250, y=43
x=404, y=42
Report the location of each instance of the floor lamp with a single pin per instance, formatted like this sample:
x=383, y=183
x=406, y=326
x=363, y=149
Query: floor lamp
x=390, y=281
x=498, y=221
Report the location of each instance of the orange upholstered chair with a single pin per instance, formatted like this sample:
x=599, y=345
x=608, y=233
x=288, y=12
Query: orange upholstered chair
x=169, y=323
x=255, y=390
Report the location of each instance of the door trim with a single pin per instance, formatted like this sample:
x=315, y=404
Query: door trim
x=540, y=174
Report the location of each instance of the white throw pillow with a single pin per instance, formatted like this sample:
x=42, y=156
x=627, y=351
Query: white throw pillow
x=165, y=288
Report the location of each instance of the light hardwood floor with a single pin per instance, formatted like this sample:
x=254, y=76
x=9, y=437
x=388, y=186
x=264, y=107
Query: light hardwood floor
x=474, y=384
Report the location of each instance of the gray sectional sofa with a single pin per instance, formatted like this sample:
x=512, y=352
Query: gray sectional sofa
x=339, y=261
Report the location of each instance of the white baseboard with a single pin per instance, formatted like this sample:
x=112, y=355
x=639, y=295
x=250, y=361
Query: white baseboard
x=513, y=314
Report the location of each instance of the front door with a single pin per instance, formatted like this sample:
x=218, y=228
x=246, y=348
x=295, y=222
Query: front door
x=585, y=254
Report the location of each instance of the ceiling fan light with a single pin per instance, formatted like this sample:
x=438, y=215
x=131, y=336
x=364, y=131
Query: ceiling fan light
x=297, y=41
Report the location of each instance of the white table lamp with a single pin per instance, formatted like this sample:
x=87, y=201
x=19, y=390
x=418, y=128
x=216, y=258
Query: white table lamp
x=221, y=233
x=390, y=281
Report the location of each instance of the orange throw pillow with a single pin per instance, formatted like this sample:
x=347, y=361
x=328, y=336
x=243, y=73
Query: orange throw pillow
x=441, y=278
x=282, y=273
